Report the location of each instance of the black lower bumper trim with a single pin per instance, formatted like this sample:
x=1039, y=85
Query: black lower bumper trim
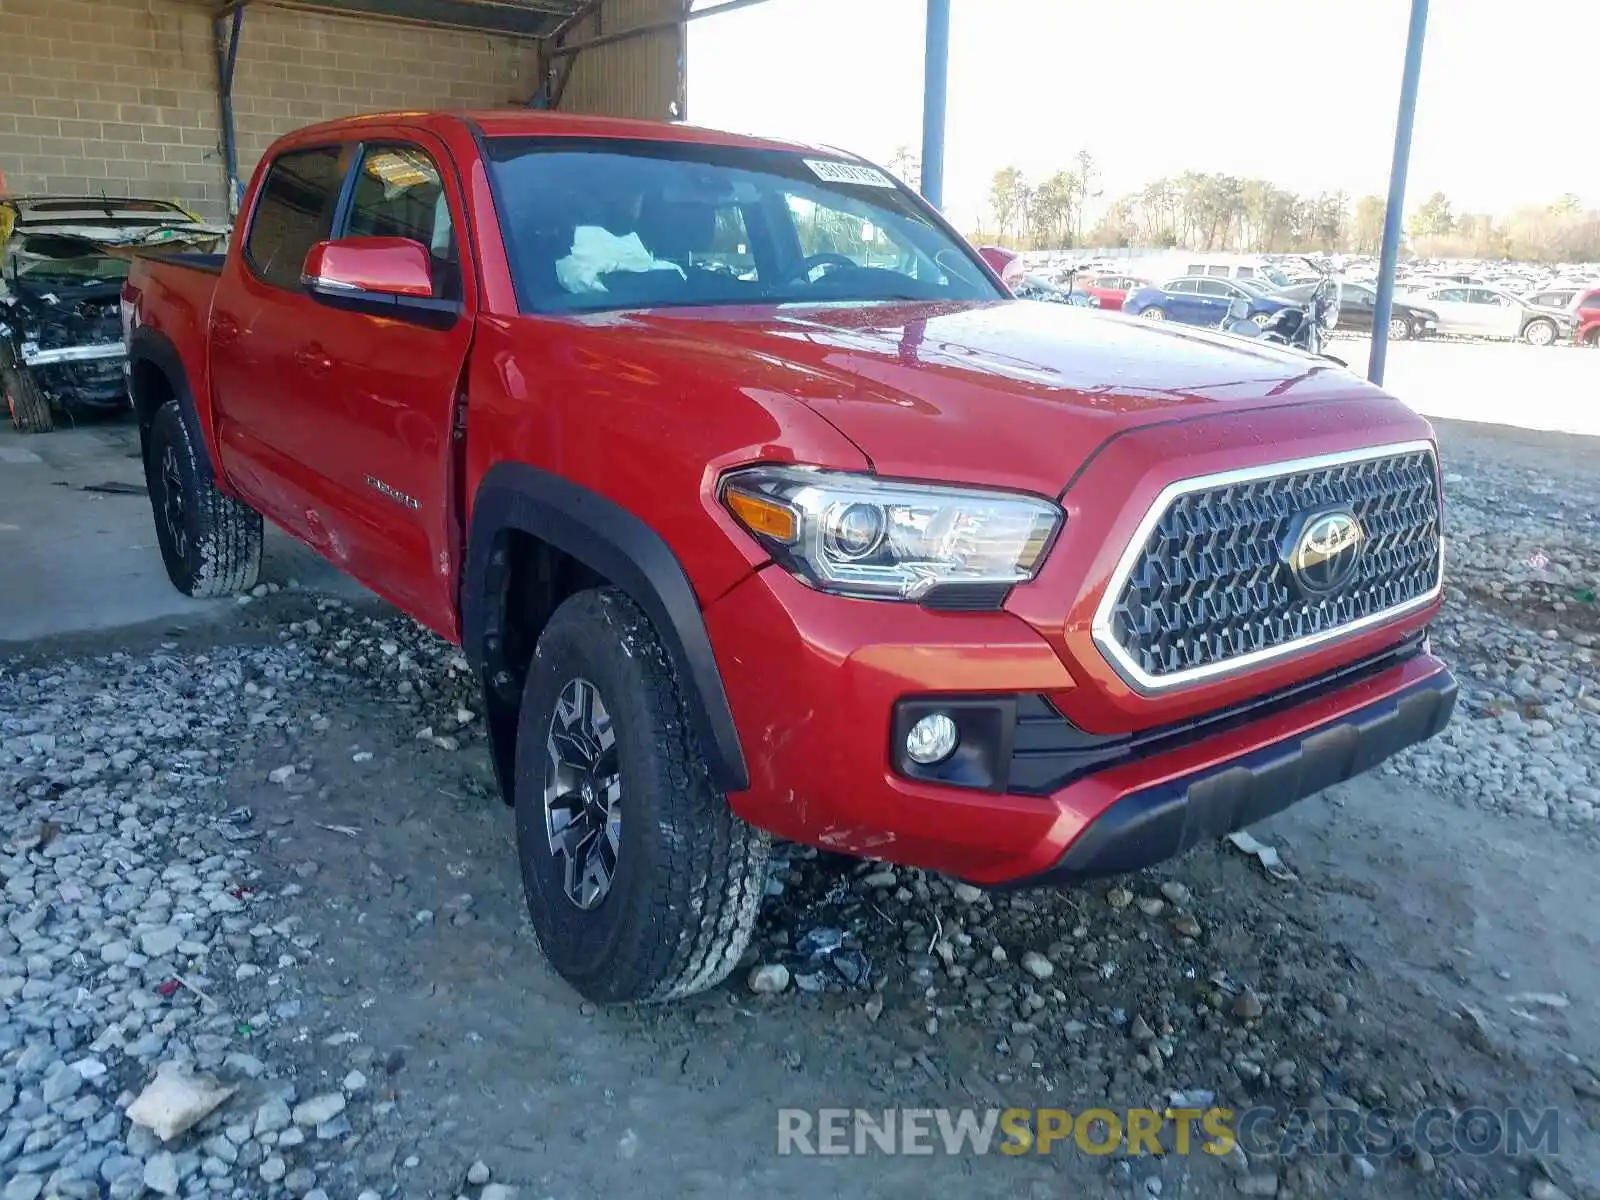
x=1150, y=826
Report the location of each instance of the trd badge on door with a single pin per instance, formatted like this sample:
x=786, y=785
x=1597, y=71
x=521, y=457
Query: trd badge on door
x=393, y=493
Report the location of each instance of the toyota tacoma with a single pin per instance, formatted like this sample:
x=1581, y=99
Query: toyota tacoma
x=762, y=508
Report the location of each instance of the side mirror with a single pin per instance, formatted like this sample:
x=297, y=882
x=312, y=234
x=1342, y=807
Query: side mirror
x=1239, y=310
x=387, y=276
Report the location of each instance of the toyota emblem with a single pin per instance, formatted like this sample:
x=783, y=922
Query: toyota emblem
x=1327, y=552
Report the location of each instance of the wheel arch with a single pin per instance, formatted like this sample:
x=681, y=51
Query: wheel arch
x=156, y=374
x=610, y=542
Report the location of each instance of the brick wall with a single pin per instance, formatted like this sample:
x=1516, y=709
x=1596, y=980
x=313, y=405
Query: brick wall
x=121, y=95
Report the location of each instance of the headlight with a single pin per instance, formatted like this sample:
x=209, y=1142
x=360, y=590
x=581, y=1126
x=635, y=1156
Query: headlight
x=855, y=535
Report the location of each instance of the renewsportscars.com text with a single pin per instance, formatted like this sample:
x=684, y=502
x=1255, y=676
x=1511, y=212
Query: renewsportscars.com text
x=1210, y=1131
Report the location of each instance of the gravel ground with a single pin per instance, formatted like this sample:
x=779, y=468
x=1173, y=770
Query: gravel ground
x=262, y=865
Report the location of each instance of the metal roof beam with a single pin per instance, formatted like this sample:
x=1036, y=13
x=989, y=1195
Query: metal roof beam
x=620, y=35
x=515, y=18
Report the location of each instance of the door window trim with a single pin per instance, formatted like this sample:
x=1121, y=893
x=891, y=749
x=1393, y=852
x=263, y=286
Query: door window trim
x=437, y=314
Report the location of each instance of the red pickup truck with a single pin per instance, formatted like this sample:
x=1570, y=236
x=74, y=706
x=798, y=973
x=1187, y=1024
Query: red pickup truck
x=761, y=509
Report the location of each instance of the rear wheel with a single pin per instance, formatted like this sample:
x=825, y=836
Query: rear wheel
x=1399, y=329
x=1153, y=314
x=210, y=543
x=1592, y=338
x=641, y=882
x=28, y=406
x=1540, y=332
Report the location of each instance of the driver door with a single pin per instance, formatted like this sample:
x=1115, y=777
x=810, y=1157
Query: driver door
x=381, y=389
x=1498, y=316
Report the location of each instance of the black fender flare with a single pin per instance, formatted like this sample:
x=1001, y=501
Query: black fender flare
x=617, y=545
x=146, y=345
x=151, y=346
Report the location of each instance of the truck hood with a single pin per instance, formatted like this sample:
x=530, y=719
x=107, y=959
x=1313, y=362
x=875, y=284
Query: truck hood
x=1007, y=393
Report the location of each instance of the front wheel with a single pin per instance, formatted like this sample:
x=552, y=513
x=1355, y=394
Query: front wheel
x=210, y=543
x=1399, y=329
x=1153, y=314
x=641, y=882
x=1540, y=332
x=1262, y=320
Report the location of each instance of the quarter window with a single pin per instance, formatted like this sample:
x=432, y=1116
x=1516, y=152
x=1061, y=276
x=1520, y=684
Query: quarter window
x=293, y=213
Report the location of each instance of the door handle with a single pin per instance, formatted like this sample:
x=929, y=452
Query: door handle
x=314, y=359
x=224, y=329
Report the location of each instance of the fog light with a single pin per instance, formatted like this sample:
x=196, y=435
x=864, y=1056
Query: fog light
x=931, y=740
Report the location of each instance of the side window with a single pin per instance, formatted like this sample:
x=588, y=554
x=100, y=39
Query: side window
x=1195, y=269
x=293, y=213
x=399, y=193
x=1451, y=295
x=1214, y=287
x=1220, y=272
x=1182, y=286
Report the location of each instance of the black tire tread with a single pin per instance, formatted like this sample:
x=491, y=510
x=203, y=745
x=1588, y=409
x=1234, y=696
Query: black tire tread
x=704, y=900
x=230, y=533
x=30, y=407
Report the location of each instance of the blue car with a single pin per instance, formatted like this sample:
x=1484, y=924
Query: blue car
x=1203, y=300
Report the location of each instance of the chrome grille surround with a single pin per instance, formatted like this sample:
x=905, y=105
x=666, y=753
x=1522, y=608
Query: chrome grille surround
x=1169, y=616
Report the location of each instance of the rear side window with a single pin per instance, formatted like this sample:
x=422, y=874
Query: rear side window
x=293, y=213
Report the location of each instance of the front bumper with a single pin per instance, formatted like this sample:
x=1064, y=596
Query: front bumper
x=1156, y=823
x=814, y=682
x=85, y=378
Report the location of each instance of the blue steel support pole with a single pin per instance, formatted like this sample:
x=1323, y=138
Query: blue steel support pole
x=935, y=88
x=1394, y=214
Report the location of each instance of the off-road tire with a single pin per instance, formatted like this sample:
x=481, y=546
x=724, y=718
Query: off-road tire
x=689, y=875
x=216, y=550
x=28, y=406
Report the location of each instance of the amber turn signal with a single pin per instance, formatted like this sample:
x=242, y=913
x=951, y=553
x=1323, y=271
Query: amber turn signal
x=762, y=516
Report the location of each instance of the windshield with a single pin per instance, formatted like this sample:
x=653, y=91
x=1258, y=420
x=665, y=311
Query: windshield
x=1274, y=276
x=605, y=224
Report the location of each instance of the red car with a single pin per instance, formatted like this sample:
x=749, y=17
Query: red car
x=1586, y=308
x=1109, y=291
x=761, y=509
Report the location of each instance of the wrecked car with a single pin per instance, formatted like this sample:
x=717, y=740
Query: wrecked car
x=61, y=273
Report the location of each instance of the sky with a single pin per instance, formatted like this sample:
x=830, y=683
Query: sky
x=1304, y=94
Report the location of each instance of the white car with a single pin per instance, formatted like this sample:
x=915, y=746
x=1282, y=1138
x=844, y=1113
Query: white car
x=1479, y=311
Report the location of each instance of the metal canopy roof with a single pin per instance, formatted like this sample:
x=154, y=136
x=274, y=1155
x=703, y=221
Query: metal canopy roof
x=523, y=18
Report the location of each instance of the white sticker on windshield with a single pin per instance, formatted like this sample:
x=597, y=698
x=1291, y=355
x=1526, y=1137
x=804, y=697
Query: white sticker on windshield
x=842, y=172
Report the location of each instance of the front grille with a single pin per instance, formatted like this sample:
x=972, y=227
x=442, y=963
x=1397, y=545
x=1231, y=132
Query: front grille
x=1207, y=585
